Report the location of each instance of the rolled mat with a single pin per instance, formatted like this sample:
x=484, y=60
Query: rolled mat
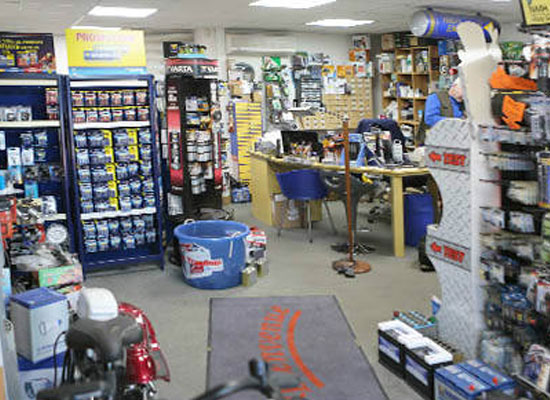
x=307, y=336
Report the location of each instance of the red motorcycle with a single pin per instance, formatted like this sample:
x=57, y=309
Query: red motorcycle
x=145, y=362
x=119, y=357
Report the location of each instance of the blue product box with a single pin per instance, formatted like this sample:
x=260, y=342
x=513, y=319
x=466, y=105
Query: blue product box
x=34, y=377
x=490, y=376
x=454, y=383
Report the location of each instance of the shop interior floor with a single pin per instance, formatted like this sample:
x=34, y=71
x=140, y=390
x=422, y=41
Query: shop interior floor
x=180, y=313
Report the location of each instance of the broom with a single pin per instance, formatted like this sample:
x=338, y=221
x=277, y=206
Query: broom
x=349, y=266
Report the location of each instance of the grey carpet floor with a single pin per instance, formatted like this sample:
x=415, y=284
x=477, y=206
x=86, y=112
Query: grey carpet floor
x=180, y=313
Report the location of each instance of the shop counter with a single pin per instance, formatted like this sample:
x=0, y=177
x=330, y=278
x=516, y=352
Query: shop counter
x=264, y=185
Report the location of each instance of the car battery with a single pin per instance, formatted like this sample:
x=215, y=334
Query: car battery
x=454, y=383
x=422, y=358
x=495, y=379
x=392, y=335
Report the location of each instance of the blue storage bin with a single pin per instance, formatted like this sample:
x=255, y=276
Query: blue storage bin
x=213, y=253
x=419, y=213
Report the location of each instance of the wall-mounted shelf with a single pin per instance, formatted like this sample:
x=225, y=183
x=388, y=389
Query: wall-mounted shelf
x=118, y=214
x=419, y=79
x=112, y=125
x=109, y=83
x=29, y=124
x=28, y=82
x=411, y=122
x=32, y=90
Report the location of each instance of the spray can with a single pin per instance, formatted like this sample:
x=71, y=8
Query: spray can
x=397, y=151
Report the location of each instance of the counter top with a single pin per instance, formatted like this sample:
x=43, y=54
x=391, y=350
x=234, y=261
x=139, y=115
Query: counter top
x=398, y=171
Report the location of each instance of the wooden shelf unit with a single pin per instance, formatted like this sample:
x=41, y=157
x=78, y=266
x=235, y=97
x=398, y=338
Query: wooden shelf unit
x=422, y=79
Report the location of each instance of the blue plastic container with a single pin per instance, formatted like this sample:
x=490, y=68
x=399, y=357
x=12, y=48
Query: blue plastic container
x=419, y=213
x=213, y=253
x=302, y=184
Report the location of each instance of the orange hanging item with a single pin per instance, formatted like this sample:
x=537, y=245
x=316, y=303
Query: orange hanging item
x=512, y=112
x=501, y=80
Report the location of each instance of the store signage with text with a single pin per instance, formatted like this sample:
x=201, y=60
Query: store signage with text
x=96, y=51
x=535, y=12
x=198, y=68
x=29, y=53
x=448, y=252
x=447, y=159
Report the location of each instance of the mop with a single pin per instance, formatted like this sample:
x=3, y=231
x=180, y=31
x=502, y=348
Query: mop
x=349, y=266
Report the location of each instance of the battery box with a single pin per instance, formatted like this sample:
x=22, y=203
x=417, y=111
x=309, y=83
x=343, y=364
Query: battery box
x=454, y=383
x=422, y=358
x=392, y=337
x=495, y=379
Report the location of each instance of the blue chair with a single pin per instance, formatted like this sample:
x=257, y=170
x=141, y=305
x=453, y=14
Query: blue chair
x=303, y=185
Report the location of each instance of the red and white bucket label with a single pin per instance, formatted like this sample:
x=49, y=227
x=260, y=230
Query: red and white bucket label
x=198, y=262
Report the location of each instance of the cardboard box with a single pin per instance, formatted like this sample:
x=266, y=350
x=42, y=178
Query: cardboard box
x=236, y=89
x=388, y=42
x=59, y=276
x=39, y=316
x=257, y=96
x=294, y=215
x=36, y=377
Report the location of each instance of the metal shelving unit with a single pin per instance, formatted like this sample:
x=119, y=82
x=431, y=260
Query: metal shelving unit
x=30, y=90
x=124, y=254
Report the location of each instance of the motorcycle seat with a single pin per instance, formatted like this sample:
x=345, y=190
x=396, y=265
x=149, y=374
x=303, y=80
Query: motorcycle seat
x=106, y=338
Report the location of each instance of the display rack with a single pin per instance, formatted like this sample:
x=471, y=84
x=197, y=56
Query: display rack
x=247, y=130
x=38, y=143
x=114, y=174
x=195, y=140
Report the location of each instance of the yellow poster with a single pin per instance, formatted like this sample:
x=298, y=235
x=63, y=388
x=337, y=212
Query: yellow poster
x=104, y=49
x=536, y=12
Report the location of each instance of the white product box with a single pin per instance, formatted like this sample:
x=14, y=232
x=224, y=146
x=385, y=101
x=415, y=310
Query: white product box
x=39, y=316
x=36, y=377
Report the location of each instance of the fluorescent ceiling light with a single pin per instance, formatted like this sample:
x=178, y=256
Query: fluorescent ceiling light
x=122, y=12
x=299, y=4
x=341, y=22
x=103, y=28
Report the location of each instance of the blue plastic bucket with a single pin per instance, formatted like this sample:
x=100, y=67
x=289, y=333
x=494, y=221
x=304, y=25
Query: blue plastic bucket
x=419, y=213
x=213, y=253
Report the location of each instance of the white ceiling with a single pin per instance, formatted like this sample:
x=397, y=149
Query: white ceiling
x=179, y=15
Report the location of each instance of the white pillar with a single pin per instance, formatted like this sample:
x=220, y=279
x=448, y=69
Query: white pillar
x=214, y=40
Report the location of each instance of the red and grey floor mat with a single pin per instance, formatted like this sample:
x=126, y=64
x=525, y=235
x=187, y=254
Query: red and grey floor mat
x=307, y=336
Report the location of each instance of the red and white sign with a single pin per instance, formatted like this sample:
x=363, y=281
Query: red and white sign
x=444, y=158
x=198, y=262
x=448, y=252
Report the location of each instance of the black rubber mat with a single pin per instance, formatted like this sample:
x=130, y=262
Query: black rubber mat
x=307, y=336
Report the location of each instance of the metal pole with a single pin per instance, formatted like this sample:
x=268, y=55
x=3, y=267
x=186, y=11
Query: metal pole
x=348, y=187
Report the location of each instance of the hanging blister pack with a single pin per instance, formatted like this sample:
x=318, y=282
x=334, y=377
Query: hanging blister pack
x=494, y=217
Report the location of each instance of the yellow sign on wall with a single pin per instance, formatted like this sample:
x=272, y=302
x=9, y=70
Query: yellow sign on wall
x=535, y=12
x=105, y=50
